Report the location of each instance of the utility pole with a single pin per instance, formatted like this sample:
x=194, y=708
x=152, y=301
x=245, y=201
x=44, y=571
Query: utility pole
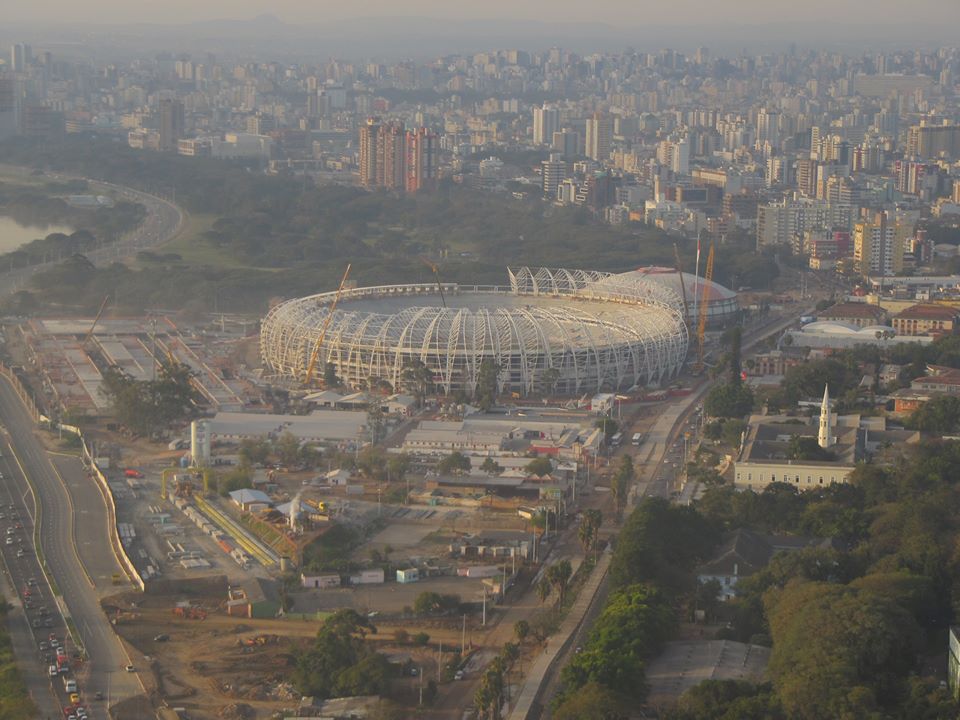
x=440, y=662
x=421, y=685
x=484, y=622
x=463, y=636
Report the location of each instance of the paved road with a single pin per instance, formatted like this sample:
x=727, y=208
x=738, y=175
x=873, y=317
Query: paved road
x=21, y=566
x=106, y=655
x=90, y=524
x=162, y=222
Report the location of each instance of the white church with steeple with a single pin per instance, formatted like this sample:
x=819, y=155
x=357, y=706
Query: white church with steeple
x=806, y=453
x=825, y=436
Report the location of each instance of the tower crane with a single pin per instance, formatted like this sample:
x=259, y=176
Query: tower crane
x=702, y=309
x=323, y=331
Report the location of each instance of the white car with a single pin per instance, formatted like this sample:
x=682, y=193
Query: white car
x=52, y=671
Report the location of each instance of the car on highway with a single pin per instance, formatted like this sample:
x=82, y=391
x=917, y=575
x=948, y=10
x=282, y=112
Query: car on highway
x=52, y=671
x=9, y=540
x=20, y=553
x=459, y=675
x=74, y=698
x=129, y=668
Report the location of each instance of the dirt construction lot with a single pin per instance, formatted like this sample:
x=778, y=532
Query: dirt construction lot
x=233, y=668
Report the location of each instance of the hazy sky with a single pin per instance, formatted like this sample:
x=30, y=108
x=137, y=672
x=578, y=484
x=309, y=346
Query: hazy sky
x=619, y=12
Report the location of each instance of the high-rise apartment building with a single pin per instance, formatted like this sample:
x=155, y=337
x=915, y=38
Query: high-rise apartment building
x=567, y=143
x=171, y=123
x=598, y=137
x=933, y=141
x=546, y=121
x=768, y=129
x=879, y=245
x=391, y=156
x=20, y=57
x=369, y=132
x=422, y=148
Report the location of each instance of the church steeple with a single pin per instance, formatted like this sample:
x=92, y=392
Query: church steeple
x=825, y=437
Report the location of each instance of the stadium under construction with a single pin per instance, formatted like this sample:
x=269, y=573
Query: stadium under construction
x=548, y=331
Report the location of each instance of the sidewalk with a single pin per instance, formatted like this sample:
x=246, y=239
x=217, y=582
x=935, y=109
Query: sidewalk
x=530, y=691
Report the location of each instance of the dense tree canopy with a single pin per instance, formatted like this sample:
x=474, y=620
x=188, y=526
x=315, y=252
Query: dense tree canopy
x=146, y=406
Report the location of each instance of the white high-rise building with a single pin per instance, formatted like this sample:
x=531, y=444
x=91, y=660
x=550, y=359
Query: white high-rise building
x=546, y=121
x=680, y=157
x=768, y=129
x=598, y=137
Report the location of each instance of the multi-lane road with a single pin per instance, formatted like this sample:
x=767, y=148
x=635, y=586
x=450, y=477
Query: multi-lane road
x=75, y=568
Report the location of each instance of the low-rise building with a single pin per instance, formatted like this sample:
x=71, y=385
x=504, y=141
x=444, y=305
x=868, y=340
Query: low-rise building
x=858, y=314
x=926, y=319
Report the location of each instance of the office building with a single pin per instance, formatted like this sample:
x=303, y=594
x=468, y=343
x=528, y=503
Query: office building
x=546, y=121
x=423, y=146
x=171, y=124
x=598, y=137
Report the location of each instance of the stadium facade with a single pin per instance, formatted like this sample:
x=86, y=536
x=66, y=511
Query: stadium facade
x=549, y=331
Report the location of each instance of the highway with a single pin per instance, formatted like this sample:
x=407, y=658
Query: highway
x=104, y=671
x=162, y=222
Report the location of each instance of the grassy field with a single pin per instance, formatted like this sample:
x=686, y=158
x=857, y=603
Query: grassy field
x=191, y=246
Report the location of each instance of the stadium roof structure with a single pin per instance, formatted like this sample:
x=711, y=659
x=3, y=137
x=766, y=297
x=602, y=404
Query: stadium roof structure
x=549, y=331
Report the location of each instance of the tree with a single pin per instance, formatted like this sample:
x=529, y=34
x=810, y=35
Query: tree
x=397, y=466
x=593, y=701
x=238, y=478
x=805, y=448
x=146, y=406
x=288, y=448
x=939, y=415
x=491, y=467
x=330, y=377
x=431, y=603
x=589, y=529
x=543, y=589
x=375, y=422
x=521, y=629
x=735, y=368
x=254, y=451
x=539, y=466
x=609, y=427
x=558, y=575
x=621, y=482
x=488, y=383
x=728, y=401
x=456, y=463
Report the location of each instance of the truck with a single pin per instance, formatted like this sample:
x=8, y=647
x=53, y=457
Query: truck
x=69, y=685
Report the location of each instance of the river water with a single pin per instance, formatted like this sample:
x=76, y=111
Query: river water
x=13, y=234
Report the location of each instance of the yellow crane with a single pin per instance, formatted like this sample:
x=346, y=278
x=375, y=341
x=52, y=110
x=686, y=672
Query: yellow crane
x=323, y=331
x=702, y=309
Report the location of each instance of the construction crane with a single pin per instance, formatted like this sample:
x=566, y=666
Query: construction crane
x=323, y=331
x=683, y=289
x=702, y=310
x=436, y=274
x=96, y=319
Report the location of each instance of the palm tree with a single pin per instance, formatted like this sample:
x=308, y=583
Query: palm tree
x=558, y=575
x=543, y=589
